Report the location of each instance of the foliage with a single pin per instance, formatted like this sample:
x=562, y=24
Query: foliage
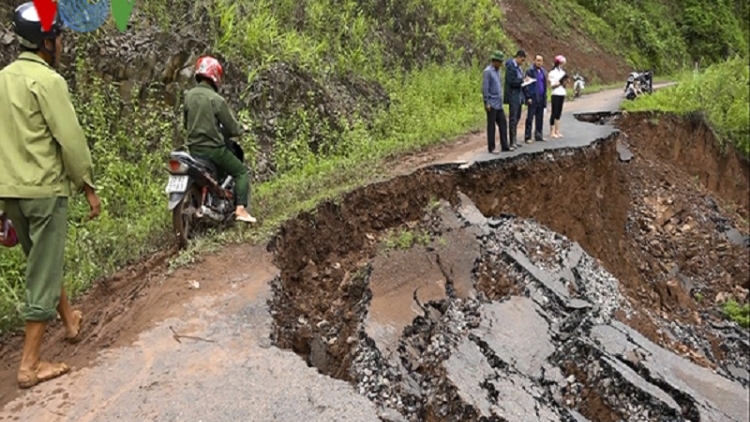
x=737, y=313
x=658, y=34
x=722, y=92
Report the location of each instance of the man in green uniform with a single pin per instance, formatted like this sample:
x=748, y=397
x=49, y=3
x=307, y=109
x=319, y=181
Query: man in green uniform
x=44, y=158
x=204, y=110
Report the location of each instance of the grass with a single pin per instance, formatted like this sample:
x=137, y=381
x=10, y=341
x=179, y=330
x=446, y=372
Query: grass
x=737, y=313
x=432, y=79
x=721, y=92
x=405, y=239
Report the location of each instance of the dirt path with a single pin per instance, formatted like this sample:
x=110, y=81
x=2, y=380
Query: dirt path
x=159, y=349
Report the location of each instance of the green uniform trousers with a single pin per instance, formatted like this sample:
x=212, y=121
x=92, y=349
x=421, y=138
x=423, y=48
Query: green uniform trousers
x=227, y=162
x=41, y=225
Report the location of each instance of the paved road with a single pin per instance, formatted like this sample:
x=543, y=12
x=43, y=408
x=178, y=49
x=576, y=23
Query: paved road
x=236, y=375
x=576, y=133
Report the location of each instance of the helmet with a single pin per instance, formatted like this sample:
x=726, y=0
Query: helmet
x=28, y=26
x=209, y=67
x=560, y=59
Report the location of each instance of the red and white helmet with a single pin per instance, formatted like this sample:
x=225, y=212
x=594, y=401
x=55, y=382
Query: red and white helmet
x=210, y=68
x=560, y=59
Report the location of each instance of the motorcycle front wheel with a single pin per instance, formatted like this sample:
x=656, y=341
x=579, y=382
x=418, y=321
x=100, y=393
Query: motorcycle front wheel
x=184, y=218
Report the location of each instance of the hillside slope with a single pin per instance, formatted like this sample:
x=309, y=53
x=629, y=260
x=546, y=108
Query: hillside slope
x=607, y=38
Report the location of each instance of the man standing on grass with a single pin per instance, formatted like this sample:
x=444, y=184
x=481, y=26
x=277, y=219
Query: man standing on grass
x=514, y=94
x=492, y=93
x=43, y=153
x=536, y=100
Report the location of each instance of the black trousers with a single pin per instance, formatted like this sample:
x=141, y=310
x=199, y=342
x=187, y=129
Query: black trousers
x=557, y=107
x=496, y=117
x=535, y=115
x=514, y=116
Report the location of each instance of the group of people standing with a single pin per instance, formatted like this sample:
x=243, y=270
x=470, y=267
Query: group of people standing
x=521, y=87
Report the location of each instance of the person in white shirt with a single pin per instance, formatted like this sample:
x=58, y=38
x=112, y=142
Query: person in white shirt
x=557, y=81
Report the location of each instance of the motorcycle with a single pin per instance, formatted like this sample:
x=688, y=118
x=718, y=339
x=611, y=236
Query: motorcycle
x=578, y=85
x=199, y=197
x=639, y=83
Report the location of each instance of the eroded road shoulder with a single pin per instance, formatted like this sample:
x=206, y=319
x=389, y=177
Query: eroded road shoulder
x=214, y=363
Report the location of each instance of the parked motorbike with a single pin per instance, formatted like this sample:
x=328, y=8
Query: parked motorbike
x=639, y=83
x=199, y=197
x=578, y=85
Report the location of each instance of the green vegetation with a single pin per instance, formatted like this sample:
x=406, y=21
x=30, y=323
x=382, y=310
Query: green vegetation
x=659, y=34
x=427, y=55
x=722, y=92
x=737, y=313
x=406, y=238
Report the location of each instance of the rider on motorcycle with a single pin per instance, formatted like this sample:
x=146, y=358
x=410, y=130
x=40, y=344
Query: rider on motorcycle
x=205, y=109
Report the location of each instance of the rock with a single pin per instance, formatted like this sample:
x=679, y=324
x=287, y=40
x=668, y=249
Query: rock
x=739, y=373
x=390, y=415
x=715, y=397
x=516, y=333
x=467, y=369
x=518, y=402
x=471, y=213
x=623, y=152
x=722, y=297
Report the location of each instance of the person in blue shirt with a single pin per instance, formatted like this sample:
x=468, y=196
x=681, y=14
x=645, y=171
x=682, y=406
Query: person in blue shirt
x=514, y=78
x=492, y=92
x=536, y=99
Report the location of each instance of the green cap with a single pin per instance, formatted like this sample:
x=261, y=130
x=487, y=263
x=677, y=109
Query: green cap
x=497, y=55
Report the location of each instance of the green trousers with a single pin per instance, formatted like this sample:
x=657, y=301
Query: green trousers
x=227, y=162
x=41, y=225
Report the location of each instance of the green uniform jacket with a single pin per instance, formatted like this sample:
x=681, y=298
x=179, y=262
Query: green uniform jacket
x=204, y=109
x=42, y=147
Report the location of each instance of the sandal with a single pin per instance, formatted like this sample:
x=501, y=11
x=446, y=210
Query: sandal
x=28, y=378
x=77, y=337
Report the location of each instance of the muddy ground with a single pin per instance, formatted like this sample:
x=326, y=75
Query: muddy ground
x=406, y=288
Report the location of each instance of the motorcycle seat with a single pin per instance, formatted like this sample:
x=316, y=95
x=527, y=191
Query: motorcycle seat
x=207, y=164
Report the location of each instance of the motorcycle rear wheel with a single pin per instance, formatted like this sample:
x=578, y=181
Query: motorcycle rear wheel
x=183, y=216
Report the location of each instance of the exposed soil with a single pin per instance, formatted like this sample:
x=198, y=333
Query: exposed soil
x=690, y=144
x=536, y=34
x=645, y=220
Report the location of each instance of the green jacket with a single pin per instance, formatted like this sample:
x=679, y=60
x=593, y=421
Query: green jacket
x=42, y=147
x=204, y=109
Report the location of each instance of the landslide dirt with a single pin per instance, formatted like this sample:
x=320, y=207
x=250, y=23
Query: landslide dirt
x=652, y=225
x=528, y=25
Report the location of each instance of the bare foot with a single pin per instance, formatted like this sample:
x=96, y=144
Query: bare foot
x=74, y=331
x=42, y=371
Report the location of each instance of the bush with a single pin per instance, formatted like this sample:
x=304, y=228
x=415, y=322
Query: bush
x=722, y=92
